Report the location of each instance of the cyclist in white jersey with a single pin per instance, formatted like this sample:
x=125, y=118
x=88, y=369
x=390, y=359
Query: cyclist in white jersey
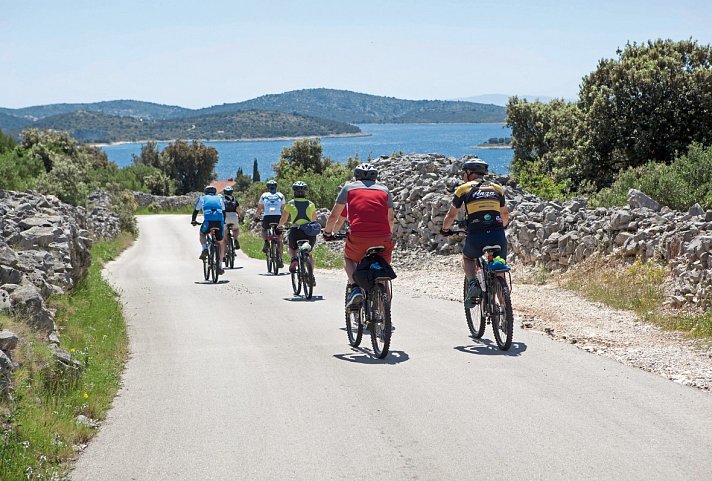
x=272, y=204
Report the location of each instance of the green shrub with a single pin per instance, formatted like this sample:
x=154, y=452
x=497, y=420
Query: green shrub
x=678, y=185
x=532, y=179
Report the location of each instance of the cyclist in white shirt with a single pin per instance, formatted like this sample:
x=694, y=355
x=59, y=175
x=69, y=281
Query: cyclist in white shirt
x=272, y=204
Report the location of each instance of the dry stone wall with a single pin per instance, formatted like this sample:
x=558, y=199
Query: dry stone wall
x=556, y=234
x=44, y=251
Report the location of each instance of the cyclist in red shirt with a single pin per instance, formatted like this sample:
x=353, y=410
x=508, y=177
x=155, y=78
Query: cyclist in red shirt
x=368, y=206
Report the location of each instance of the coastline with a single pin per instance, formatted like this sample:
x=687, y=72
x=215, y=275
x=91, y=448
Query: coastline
x=252, y=139
x=494, y=147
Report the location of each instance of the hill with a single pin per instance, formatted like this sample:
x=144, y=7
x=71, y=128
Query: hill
x=98, y=127
x=121, y=108
x=354, y=107
x=9, y=123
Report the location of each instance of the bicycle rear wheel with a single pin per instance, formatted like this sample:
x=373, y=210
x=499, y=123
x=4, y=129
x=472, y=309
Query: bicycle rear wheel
x=274, y=253
x=215, y=258
x=306, y=275
x=380, y=311
x=474, y=315
x=502, y=315
x=230, y=252
x=354, y=327
x=206, y=267
x=296, y=281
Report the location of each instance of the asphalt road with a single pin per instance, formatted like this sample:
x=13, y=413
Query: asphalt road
x=241, y=381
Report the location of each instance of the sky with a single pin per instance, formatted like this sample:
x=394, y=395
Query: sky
x=197, y=54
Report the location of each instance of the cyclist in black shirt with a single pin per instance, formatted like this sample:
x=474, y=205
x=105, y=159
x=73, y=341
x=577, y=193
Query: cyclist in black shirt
x=232, y=214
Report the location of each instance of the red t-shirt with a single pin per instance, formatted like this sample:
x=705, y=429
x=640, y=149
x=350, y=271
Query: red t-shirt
x=367, y=203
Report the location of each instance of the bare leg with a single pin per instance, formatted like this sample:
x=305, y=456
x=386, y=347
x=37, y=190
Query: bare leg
x=350, y=268
x=468, y=266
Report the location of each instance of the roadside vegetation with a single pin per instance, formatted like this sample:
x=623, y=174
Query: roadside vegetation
x=324, y=258
x=642, y=121
x=39, y=428
x=638, y=287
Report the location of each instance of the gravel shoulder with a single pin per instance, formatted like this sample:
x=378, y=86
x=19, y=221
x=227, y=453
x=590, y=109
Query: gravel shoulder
x=564, y=316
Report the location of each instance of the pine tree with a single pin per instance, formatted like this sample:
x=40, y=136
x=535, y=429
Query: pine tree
x=255, y=172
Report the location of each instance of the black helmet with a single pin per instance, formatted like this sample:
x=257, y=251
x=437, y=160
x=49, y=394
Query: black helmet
x=271, y=183
x=300, y=188
x=210, y=189
x=475, y=165
x=366, y=171
x=227, y=190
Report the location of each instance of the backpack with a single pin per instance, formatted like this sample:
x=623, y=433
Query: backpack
x=230, y=203
x=370, y=268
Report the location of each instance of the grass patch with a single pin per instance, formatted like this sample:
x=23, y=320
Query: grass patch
x=38, y=429
x=637, y=287
x=151, y=210
x=324, y=258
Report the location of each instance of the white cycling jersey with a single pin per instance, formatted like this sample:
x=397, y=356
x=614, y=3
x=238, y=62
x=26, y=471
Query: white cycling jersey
x=272, y=203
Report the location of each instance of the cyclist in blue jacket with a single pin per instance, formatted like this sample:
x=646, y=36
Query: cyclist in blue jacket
x=213, y=209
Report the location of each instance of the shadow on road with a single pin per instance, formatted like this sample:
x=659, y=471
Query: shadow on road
x=267, y=274
x=303, y=299
x=364, y=356
x=489, y=348
x=220, y=281
x=234, y=268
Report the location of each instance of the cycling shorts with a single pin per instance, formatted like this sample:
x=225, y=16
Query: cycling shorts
x=231, y=218
x=356, y=247
x=214, y=224
x=296, y=234
x=270, y=219
x=475, y=241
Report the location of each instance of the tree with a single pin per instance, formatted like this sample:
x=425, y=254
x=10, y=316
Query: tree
x=150, y=155
x=7, y=143
x=242, y=181
x=305, y=153
x=649, y=104
x=192, y=166
x=255, y=171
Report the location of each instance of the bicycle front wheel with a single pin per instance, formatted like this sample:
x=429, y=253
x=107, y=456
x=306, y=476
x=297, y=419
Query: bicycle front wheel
x=502, y=315
x=307, y=275
x=474, y=315
x=354, y=327
x=380, y=310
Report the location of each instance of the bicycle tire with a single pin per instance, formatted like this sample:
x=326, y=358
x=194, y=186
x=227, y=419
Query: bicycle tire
x=476, y=329
x=354, y=327
x=296, y=281
x=306, y=274
x=230, y=252
x=502, y=315
x=274, y=247
x=215, y=259
x=380, y=309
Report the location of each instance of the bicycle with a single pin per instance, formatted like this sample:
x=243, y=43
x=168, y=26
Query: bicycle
x=374, y=313
x=274, y=254
x=210, y=262
x=303, y=277
x=229, y=248
x=494, y=303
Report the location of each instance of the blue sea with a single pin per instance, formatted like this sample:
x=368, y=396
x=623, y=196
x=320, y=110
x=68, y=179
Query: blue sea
x=453, y=140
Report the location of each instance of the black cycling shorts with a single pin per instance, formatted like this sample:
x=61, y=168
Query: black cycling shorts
x=296, y=234
x=270, y=219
